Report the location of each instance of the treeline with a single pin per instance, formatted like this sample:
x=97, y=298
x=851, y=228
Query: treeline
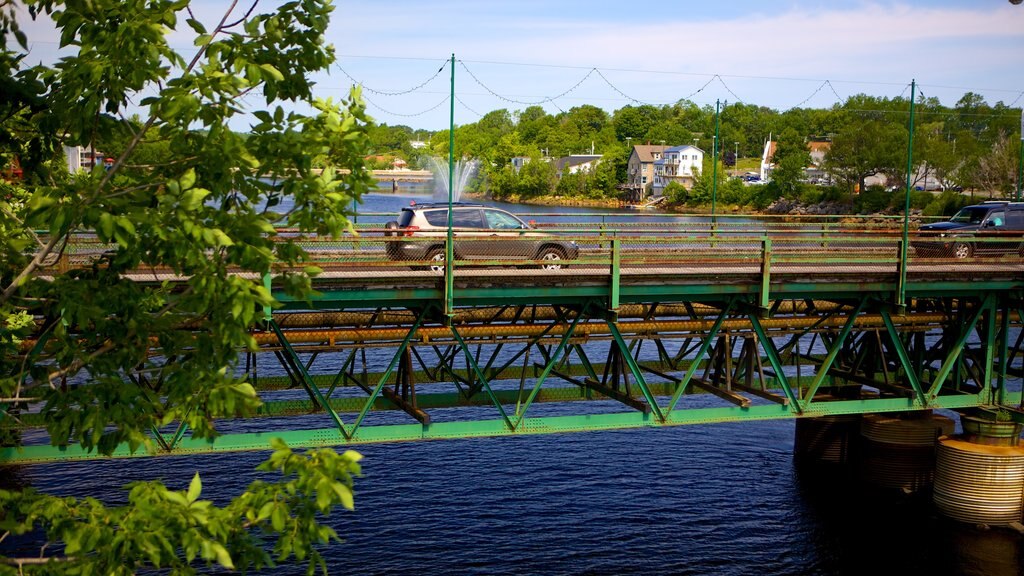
x=972, y=145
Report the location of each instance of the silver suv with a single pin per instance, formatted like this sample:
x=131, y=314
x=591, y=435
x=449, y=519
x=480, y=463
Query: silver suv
x=480, y=233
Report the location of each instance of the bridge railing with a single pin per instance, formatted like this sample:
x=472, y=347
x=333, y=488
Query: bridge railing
x=565, y=249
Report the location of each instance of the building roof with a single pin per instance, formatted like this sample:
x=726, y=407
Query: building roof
x=821, y=146
x=645, y=152
x=684, y=147
x=575, y=160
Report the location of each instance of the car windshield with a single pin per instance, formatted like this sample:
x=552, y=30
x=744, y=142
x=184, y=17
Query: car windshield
x=970, y=215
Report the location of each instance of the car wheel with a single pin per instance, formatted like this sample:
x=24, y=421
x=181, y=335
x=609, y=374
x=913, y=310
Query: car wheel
x=552, y=258
x=436, y=257
x=961, y=250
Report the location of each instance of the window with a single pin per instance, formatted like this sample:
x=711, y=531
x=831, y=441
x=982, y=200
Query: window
x=1015, y=219
x=467, y=219
x=502, y=221
x=461, y=218
x=997, y=218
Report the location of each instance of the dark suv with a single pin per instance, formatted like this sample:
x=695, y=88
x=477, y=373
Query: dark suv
x=480, y=233
x=987, y=228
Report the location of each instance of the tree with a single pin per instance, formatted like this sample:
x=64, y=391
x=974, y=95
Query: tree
x=790, y=159
x=113, y=359
x=872, y=140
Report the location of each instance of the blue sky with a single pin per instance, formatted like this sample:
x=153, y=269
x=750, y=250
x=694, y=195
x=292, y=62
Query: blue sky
x=771, y=53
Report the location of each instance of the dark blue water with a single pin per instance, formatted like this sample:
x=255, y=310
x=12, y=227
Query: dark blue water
x=710, y=499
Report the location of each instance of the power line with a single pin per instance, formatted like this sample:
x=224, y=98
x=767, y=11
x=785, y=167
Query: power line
x=431, y=109
x=506, y=99
x=398, y=93
x=703, y=74
x=464, y=105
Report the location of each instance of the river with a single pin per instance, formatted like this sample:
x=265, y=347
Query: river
x=709, y=499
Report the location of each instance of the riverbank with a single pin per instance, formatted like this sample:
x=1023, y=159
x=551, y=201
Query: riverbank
x=781, y=210
x=555, y=201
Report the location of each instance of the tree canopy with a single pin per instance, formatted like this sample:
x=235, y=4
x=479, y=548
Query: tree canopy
x=194, y=185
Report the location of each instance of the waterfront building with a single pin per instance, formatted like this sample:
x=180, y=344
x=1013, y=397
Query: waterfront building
x=640, y=168
x=677, y=164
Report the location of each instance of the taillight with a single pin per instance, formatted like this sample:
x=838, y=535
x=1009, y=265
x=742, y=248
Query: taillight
x=408, y=230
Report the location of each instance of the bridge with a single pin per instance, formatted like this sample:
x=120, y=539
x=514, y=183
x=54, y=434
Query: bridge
x=650, y=325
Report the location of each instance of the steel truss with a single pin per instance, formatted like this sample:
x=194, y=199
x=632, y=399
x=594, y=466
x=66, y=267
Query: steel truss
x=487, y=369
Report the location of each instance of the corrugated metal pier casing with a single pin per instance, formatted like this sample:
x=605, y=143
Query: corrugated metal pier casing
x=826, y=439
x=977, y=483
x=898, y=451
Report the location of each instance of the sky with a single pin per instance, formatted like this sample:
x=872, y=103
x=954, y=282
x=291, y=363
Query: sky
x=561, y=54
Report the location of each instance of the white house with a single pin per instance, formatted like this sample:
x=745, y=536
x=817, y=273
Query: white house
x=677, y=164
x=82, y=158
x=576, y=163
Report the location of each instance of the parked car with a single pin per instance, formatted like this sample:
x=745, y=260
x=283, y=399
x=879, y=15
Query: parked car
x=480, y=233
x=989, y=228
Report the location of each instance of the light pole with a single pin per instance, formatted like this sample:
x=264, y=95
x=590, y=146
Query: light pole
x=735, y=157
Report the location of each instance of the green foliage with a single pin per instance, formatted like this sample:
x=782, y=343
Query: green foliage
x=536, y=178
x=946, y=204
x=676, y=193
x=874, y=199
x=163, y=529
x=114, y=358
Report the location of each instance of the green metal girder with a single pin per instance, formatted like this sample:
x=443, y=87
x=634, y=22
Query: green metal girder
x=901, y=352
x=669, y=289
x=332, y=437
x=831, y=356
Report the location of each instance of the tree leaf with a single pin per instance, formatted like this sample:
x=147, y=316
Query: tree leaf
x=194, y=488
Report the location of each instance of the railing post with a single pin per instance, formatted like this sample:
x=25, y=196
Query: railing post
x=268, y=314
x=613, y=296
x=449, y=275
x=901, y=276
x=766, y=274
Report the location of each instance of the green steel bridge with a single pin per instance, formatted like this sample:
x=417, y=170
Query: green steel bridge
x=652, y=325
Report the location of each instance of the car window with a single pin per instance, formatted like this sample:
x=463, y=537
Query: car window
x=436, y=217
x=502, y=221
x=405, y=218
x=997, y=218
x=1015, y=219
x=467, y=218
x=970, y=215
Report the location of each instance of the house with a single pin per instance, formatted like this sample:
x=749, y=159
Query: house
x=768, y=160
x=640, y=168
x=677, y=164
x=518, y=162
x=82, y=158
x=576, y=163
x=816, y=173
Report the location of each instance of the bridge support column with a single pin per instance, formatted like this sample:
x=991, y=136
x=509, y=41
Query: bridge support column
x=979, y=475
x=898, y=450
x=830, y=440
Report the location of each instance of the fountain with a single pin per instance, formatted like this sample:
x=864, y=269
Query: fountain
x=461, y=173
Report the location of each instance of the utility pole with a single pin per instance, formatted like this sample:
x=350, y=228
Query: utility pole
x=714, y=159
x=1020, y=161
x=901, y=297
x=449, y=248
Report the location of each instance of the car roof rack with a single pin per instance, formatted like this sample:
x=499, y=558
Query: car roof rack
x=441, y=205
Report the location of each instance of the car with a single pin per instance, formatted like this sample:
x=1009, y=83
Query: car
x=480, y=233
x=989, y=228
